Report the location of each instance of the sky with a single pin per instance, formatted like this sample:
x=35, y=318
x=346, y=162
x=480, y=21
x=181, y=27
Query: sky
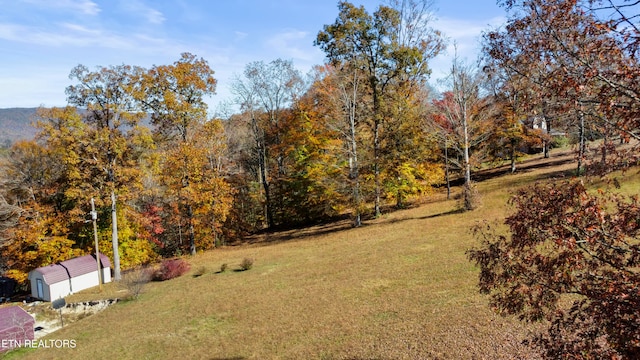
x=42, y=40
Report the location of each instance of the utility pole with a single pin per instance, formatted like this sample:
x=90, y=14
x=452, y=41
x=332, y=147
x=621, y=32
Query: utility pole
x=114, y=238
x=94, y=218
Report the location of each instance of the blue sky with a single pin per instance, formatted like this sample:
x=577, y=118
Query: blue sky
x=42, y=40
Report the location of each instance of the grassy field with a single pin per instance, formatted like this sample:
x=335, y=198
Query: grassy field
x=400, y=287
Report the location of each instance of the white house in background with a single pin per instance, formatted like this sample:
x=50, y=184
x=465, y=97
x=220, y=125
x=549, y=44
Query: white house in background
x=65, y=278
x=540, y=122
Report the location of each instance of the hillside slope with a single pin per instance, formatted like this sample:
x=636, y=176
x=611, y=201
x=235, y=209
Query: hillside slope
x=400, y=287
x=16, y=124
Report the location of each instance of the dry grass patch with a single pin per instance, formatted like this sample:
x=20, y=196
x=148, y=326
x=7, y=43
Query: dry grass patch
x=400, y=287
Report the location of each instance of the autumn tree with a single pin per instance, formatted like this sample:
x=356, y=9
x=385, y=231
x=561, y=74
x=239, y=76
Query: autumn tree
x=192, y=145
x=513, y=129
x=461, y=116
x=580, y=58
x=9, y=215
x=316, y=153
x=247, y=212
x=112, y=117
x=205, y=192
x=410, y=156
x=337, y=96
x=41, y=179
x=571, y=255
x=511, y=134
x=381, y=47
x=36, y=210
x=265, y=93
x=571, y=259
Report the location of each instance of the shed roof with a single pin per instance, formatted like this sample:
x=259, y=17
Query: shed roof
x=84, y=264
x=13, y=316
x=65, y=270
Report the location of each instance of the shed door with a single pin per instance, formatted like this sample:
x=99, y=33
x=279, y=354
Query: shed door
x=40, y=290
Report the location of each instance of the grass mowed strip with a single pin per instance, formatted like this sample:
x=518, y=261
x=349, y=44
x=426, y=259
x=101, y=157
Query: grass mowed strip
x=399, y=287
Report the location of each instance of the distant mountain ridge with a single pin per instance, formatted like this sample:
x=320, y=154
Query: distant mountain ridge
x=16, y=124
x=19, y=124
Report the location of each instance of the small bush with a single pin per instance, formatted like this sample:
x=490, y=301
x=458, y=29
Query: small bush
x=201, y=270
x=135, y=280
x=560, y=142
x=170, y=268
x=246, y=264
x=223, y=267
x=470, y=198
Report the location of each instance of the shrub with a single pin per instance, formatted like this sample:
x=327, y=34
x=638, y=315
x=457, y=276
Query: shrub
x=223, y=267
x=201, y=270
x=246, y=264
x=560, y=142
x=135, y=280
x=170, y=268
x=470, y=197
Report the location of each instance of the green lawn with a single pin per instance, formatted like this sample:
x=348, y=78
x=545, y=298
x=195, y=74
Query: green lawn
x=400, y=287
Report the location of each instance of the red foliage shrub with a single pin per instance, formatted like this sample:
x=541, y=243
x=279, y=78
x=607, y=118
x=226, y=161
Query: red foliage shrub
x=170, y=268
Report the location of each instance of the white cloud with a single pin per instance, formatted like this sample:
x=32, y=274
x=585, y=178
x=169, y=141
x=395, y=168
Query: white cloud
x=288, y=44
x=86, y=7
x=43, y=88
x=80, y=36
x=155, y=16
x=10, y=32
x=148, y=13
x=241, y=35
x=79, y=29
x=66, y=34
x=464, y=40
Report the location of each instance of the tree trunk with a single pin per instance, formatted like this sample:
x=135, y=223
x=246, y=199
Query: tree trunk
x=354, y=171
x=376, y=148
x=399, y=200
x=512, y=155
x=467, y=163
x=446, y=169
x=354, y=174
x=192, y=236
x=547, y=142
x=581, y=149
x=265, y=185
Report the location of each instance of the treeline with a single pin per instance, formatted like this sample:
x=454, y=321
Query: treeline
x=360, y=132
x=303, y=148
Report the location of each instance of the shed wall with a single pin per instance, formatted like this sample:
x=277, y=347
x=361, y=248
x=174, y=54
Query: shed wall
x=57, y=290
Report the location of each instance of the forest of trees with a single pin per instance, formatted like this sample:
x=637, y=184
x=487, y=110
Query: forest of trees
x=362, y=132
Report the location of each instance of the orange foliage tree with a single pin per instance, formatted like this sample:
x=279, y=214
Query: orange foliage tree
x=196, y=196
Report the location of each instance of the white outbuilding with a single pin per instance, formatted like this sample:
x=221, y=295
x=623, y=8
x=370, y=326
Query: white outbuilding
x=56, y=281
